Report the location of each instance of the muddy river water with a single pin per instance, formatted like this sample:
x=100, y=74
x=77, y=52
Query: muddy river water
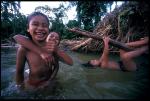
x=79, y=82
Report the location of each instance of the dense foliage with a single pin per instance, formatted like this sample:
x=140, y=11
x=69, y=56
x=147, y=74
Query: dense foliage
x=88, y=15
x=127, y=23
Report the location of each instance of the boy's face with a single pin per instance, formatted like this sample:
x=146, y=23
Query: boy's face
x=38, y=28
x=53, y=36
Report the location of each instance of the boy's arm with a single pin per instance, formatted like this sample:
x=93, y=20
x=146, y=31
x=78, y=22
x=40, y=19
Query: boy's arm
x=20, y=64
x=55, y=70
x=105, y=55
x=138, y=43
x=64, y=57
x=25, y=42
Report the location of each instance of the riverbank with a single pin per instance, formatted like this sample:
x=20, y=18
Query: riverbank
x=7, y=45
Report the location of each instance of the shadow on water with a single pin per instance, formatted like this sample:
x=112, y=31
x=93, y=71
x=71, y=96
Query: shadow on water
x=78, y=82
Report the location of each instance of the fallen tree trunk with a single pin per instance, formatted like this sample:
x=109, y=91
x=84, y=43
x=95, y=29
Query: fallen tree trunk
x=97, y=37
x=81, y=44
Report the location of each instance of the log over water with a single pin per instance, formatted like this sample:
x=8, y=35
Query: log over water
x=91, y=35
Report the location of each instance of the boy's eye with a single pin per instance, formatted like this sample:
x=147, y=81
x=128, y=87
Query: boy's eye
x=45, y=25
x=35, y=24
x=56, y=38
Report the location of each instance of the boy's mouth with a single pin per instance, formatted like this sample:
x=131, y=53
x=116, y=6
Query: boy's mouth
x=40, y=34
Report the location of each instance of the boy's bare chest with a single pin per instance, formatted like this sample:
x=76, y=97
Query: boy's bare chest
x=37, y=65
x=35, y=60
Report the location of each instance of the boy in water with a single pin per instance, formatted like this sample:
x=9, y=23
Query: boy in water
x=127, y=58
x=39, y=54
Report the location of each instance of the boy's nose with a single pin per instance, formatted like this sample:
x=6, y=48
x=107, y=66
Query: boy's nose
x=40, y=27
x=52, y=38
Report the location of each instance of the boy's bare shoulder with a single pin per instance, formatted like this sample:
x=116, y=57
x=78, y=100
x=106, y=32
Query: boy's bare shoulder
x=22, y=49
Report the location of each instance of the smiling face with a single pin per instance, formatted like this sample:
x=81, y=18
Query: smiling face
x=38, y=28
x=53, y=36
x=95, y=62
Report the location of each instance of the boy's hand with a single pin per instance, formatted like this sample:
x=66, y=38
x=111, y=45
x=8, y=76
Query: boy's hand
x=106, y=40
x=48, y=58
x=20, y=85
x=51, y=46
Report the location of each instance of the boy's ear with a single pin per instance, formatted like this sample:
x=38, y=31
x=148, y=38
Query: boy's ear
x=27, y=30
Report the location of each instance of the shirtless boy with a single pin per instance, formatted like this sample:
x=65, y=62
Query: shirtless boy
x=36, y=53
x=126, y=62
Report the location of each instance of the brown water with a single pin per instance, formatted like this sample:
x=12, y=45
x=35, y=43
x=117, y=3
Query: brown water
x=78, y=82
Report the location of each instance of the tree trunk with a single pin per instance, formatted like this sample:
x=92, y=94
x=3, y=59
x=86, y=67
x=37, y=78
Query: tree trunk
x=97, y=37
x=81, y=44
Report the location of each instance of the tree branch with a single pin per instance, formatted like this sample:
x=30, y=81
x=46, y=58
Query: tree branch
x=98, y=37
